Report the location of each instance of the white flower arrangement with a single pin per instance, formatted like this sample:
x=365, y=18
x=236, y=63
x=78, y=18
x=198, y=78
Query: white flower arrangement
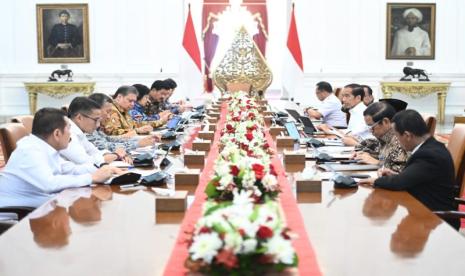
x=239, y=236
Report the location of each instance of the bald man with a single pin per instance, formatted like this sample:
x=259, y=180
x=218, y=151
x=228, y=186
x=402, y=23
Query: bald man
x=411, y=40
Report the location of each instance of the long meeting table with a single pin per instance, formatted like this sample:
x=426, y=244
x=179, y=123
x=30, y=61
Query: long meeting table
x=106, y=230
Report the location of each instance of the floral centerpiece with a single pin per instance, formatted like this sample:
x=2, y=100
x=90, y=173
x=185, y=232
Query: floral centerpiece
x=240, y=238
x=235, y=171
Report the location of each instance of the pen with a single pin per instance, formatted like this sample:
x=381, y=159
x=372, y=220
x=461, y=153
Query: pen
x=127, y=186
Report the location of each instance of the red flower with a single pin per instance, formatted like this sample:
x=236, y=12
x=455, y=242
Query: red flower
x=227, y=258
x=285, y=234
x=273, y=170
x=205, y=230
x=241, y=232
x=249, y=136
x=264, y=232
x=266, y=146
x=229, y=127
x=234, y=170
x=259, y=171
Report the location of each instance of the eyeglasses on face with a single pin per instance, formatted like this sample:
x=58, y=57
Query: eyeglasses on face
x=96, y=120
x=372, y=126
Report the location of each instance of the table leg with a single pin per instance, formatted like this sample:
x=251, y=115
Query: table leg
x=441, y=106
x=32, y=102
x=387, y=94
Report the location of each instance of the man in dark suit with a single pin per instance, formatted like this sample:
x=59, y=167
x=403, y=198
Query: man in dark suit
x=65, y=39
x=429, y=172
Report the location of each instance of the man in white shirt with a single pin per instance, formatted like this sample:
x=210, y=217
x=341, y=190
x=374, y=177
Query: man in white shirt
x=330, y=109
x=35, y=171
x=352, y=102
x=411, y=40
x=85, y=115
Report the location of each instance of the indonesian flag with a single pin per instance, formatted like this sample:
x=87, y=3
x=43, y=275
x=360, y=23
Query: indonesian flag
x=190, y=66
x=293, y=74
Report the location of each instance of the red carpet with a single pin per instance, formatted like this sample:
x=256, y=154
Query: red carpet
x=308, y=264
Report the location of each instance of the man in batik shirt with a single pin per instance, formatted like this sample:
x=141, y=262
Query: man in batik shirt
x=119, y=121
x=386, y=150
x=111, y=143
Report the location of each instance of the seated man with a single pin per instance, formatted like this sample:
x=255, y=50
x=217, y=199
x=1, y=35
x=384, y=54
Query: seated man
x=352, y=101
x=85, y=118
x=143, y=101
x=175, y=107
x=330, y=109
x=429, y=172
x=119, y=122
x=368, y=97
x=112, y=143
x=35, y=171
x=387, y=150
x=159, y=92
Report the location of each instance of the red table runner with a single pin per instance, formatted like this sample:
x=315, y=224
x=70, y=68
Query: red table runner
x=308, y=264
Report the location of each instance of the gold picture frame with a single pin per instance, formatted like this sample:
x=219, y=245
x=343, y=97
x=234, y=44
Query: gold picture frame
x=63, y=33
x=410, y=30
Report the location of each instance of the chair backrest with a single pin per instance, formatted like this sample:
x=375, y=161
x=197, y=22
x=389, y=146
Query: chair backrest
x=26, y=120
x=459, y=120
x=431, y=124
x=456, y=147
x=10, y=133
x=235, y=87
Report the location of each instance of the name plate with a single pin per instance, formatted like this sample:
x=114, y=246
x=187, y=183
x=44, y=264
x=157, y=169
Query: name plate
x=285, y=141
x=201, y=145
x=294, y=157
x=206, y=135
x=276, y=130
x=194, y=158
x=267, y=113
x=214, y=115
x=212, y=127
x=213, y=120
x=175, y=203
x=268, y=119
x=308, y=185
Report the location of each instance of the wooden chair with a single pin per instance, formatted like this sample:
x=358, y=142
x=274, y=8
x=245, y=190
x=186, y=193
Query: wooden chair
x=10, y=133
x=235, y=87
x=431, y=124
x=26, y=120
x=459, y=120
x=456, y=147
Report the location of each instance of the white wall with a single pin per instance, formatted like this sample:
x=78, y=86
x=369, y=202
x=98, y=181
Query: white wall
x=344, y=42
x=131, y=41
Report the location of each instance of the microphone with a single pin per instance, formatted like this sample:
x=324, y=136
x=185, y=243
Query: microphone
x=165, y=162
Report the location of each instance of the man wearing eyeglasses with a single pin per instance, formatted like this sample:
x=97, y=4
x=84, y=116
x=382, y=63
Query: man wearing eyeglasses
x=386, y=150
x=119, y=121
x=85, y=115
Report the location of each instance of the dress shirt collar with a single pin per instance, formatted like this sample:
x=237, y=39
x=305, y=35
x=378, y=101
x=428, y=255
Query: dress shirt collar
x=138, y=107
x=417, y=147
x=41, y=143
x=359, y=108
x=75, y=129
x=119, y=108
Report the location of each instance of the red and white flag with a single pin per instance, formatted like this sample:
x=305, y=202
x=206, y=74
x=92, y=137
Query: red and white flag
x=293, y=73
x=190, y=66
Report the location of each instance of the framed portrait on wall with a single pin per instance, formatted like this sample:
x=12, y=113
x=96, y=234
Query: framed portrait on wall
x=410, y=30
x=63, y=33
